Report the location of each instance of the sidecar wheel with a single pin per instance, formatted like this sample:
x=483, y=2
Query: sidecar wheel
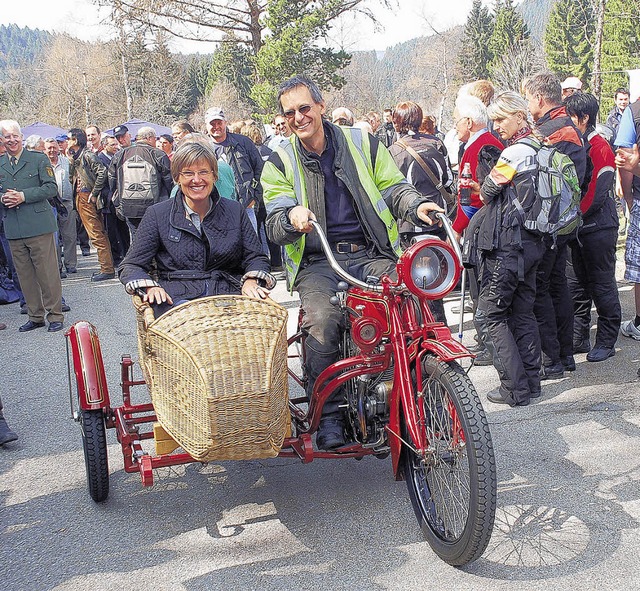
x=453, y=486
x=94, y=443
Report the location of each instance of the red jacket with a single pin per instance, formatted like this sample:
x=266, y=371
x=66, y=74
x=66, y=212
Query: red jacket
x=471, y=155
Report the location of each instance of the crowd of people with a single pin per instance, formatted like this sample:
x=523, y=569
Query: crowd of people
x=182, y=215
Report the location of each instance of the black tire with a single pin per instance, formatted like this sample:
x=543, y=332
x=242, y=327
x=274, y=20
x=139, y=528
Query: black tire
x=453, y=490
x=94, y=443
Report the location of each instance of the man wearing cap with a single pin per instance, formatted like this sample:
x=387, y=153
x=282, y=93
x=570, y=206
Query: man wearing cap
x=28, y=181
x=245, y=160
x=570, y=86
x=143, y=151
x=121, y=133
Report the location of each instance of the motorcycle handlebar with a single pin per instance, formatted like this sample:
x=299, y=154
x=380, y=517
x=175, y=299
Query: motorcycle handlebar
x=334, y=264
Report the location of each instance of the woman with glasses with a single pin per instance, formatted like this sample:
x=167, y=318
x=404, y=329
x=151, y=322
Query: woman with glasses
x=202, y=244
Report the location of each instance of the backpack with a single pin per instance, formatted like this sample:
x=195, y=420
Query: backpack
x=556, y=210
x=139, y=186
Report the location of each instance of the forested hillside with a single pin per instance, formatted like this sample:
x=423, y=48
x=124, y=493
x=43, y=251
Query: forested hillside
x=20, y=46
x=536, y=14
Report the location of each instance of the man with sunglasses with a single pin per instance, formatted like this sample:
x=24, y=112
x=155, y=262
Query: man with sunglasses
x=283, y=132
x=347, y=181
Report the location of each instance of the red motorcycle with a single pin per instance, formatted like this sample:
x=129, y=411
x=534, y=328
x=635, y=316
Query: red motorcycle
x=405, y=396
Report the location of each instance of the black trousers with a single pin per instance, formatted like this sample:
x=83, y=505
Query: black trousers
x=322, y=322
x=507, y=295
x=592, y=278
x=553, y=304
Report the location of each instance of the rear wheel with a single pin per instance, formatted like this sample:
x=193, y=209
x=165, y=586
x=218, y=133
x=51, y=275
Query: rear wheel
x=94, y=443
x=453, y=485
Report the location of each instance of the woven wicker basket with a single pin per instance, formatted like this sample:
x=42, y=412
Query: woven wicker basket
x=217, y=372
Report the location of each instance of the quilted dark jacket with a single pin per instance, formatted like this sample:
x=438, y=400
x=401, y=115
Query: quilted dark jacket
x=191, y=264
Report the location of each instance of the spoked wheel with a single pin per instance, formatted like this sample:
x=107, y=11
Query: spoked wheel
x=94, y=443
x=453, y=486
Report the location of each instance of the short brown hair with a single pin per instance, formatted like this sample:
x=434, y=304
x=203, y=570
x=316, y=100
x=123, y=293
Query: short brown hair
x=407, y=116
x=190, y=153
x=482, y=89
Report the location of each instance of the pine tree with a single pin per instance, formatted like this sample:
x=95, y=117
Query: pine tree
x=509, y=31
x=475, y=54
x=568, y=39
x=620, y=47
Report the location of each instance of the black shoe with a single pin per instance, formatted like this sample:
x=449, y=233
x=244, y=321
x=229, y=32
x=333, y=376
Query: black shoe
x=583, y=346
x=497, y=398
x=31, y=325
x=569, y=363
x=551, y=372
x=330, y=434
x=63, y=274
x=54, y=326
x=72, y=270
x=6, y=434
x=23, y=309
x=85, y=252
x=535, y=393
x=600, y=353
x=102, y=276
x=66, y=308
x=483, y=359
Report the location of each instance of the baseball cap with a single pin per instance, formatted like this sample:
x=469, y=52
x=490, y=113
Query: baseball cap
x=120, y=130
x=214, y=113
x=62, y=137
x=571, y=82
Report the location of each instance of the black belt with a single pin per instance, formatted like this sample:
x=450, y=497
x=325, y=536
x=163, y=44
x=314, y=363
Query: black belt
x=347, y=247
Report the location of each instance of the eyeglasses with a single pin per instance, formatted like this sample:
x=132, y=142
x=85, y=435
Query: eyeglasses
x=190, y=174
x=458, y=121
x=303, y=110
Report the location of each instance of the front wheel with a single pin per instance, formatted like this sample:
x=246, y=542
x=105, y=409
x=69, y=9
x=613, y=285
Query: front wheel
x=94, y=443
x=452, y=485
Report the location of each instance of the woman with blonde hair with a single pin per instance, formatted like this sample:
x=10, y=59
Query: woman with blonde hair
x=510, y=255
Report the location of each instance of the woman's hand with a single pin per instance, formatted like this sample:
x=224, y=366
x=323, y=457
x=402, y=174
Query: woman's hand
x=250, y=288
x=157, y=295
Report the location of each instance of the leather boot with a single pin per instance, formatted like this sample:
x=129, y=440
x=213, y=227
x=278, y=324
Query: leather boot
x=6, y=434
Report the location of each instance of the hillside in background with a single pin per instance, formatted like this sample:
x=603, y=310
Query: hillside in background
x=20, y=46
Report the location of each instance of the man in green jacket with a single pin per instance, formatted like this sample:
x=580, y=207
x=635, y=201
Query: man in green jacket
x=348, y=182
x=28, y=181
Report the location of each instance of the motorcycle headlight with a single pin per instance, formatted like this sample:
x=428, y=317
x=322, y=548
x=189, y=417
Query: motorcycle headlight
x=429, y=268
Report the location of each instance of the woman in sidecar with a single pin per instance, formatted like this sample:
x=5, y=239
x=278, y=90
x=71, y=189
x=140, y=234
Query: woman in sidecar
x=202, y=244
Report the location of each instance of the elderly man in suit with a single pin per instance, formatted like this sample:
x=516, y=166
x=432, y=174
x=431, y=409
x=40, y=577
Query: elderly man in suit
x=28, y=181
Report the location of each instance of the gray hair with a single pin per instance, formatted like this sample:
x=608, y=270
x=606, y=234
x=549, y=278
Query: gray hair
x=472, y=107
x=9, y=125
x=144, y=133
x=48, y=140
x=547, y=86
x=31, y=143
x=297, y=81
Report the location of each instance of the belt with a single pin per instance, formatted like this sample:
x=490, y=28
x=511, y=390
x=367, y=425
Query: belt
x=347, y=247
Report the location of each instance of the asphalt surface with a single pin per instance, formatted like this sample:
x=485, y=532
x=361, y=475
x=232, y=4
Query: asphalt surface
x=568, y=493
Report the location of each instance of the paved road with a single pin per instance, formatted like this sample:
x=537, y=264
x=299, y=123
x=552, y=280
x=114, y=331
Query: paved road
x=568, y=470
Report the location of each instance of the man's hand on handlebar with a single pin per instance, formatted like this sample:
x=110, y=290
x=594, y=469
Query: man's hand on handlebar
x=157, y=295
x=299, y=217
x=424, y=209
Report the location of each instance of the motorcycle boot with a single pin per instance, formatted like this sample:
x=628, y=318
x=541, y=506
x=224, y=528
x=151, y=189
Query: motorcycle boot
x=6, y=434
x=480, y=323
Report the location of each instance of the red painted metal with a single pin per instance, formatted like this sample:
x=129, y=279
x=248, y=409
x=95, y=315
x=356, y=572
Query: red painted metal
x=88, y=366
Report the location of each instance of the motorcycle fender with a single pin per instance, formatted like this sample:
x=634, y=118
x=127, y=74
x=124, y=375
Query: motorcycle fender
x=446, y=349
x=88, y=366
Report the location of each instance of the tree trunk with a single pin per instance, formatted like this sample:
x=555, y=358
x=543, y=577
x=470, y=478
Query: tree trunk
x=596, y=81
x=87, y=99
